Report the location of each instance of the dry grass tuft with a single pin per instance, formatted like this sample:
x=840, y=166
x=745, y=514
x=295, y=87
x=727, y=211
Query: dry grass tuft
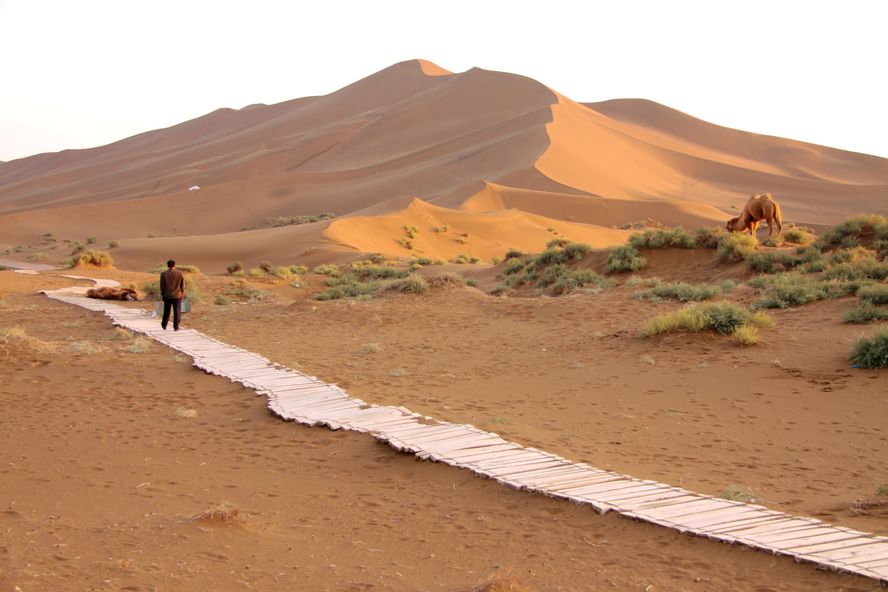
x=14, y=340
x=139, y=345
x=738, y=493
x=186, y=412
x=221, y=513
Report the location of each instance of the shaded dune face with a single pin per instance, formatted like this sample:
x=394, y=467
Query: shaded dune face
x=474, y=143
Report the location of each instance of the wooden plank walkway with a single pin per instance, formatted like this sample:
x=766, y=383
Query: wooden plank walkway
x=295, y=396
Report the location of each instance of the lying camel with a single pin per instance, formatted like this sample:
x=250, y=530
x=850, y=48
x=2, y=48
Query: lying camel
x=108, y=293
x=760, y=206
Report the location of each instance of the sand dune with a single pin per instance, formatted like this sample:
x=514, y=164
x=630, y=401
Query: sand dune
x=465, y=142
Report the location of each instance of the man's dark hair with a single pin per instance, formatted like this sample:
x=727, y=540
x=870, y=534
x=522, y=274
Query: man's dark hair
x=171, y=263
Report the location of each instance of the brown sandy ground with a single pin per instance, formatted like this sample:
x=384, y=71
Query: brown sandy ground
x=107, y=455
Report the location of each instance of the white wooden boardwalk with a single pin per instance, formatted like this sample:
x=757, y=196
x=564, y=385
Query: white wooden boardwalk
x=298, y=397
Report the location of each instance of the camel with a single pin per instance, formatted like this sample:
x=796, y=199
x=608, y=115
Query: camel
x=107, y=293
x=760, y=206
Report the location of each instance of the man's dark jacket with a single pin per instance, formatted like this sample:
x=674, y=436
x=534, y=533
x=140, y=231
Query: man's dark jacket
x=172, y=284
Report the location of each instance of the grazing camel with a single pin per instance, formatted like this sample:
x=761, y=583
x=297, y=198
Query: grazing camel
x=760, y=206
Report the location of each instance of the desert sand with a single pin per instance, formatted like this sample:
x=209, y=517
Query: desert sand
x=115, y=447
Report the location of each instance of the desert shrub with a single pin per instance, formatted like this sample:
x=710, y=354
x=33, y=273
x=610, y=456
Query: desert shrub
x=221, y=300
x=328, y=269
x=279, y=221
x=580, y=278
x=875, y=294
x=737, y=493
x=378, y=272
x=681, y=291
x=188, y=268
x=288, y=272
x=235, y=267
x=462, y=259
x=91, y=258
x=447, y=279
x=708, y=237
x=858, y=270
x=90, y=240
x=39, y=256
x=422, y=261
x=562, y=251
x=556, y=243
x=512, y=266
x=848, y=233
x=441, y=229
x=370, y=348
x=551, y=274
x=244, y=291
x=797, y=236
x=113, y=244
x=410, y=230
x=500, y=289
x=662, y=238
x=794, y=289
x=736, y=246
x=872, y=352
x=462, y=240
x=746, y=334
x=773, y=261
x=347, y=286
x=722, y=317
x=625, y=258
x=412, y=283
x=376, y=258
x=266, y=266
x=513, y=253
x=3, y=268
x=865, y=313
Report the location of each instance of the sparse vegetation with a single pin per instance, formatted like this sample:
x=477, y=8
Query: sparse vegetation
x=410, y=230
x=852, y=231
x=328, y=270
x=722, y=317
x=280, y=221
x=663, y=237
x=91, y=258
x=90, y=240
x=441, y=229
x=625, y=258
x=684, y=292
x=708, y=237
x=797, y=235
x=513, y=266
x=413, y=283
x=235, y=267
x=737, y=493
x=865, y=313
x=244, y=292
x=874, y=294
x=795, y=289
x=113, y=244
x=221, y=301
x=139, y=345
x=513, y=253
x=736, y=247
x=872, y=352
x=370, y=348
x=288, y=272
x=266, y=266
x=746, y=334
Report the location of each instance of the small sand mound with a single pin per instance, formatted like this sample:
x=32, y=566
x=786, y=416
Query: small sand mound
x=14, y=340
x=502, y=586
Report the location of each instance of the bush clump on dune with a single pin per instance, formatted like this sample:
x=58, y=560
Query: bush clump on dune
x=414, y=284
x=795, y=289
x=736, y=247
x=684, y=292
x=663, y=237
x=850, y=233
x=562, y=251
x=722, y=317
x=91, y=258
x=872, y=352
x=797, y=235
x=875, y=294
x=865, y=313
x=625, y=258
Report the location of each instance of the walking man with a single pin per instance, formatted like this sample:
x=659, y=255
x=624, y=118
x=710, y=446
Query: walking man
x=172, y=290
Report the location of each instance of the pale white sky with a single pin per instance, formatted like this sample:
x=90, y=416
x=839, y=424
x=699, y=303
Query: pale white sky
x=83, y=73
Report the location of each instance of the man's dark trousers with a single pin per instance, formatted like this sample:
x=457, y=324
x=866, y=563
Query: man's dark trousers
x=176, y=305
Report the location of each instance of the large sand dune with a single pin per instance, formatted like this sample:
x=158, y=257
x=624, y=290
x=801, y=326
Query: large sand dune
x=476, y=143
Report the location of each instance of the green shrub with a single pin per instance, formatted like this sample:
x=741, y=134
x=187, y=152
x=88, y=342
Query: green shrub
x=794, y=289
x=581, y=278
x=865, y=313
x=422, y=261
x=91, y=258
x=244, y=291
x=512, y=266
x=382, y=273
x=858, y=270
x=849, y=233
x=328, y=269
x=266, y=266
x=221, y=300
x=235, y=267
x=90, y=240
x=412, y=283
x=875, y=294
x=461, y=259
x=736, y=246
x=441, y=229
x=708, y=237
x=513, y=253
x=662, y=238
x=722, y=317
x=625, y=258
x=681, y=291
x=411, y=231
x=797, y=236
x=872, y=352
x=113, y=244
x=562, y=251
x=746, y=334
